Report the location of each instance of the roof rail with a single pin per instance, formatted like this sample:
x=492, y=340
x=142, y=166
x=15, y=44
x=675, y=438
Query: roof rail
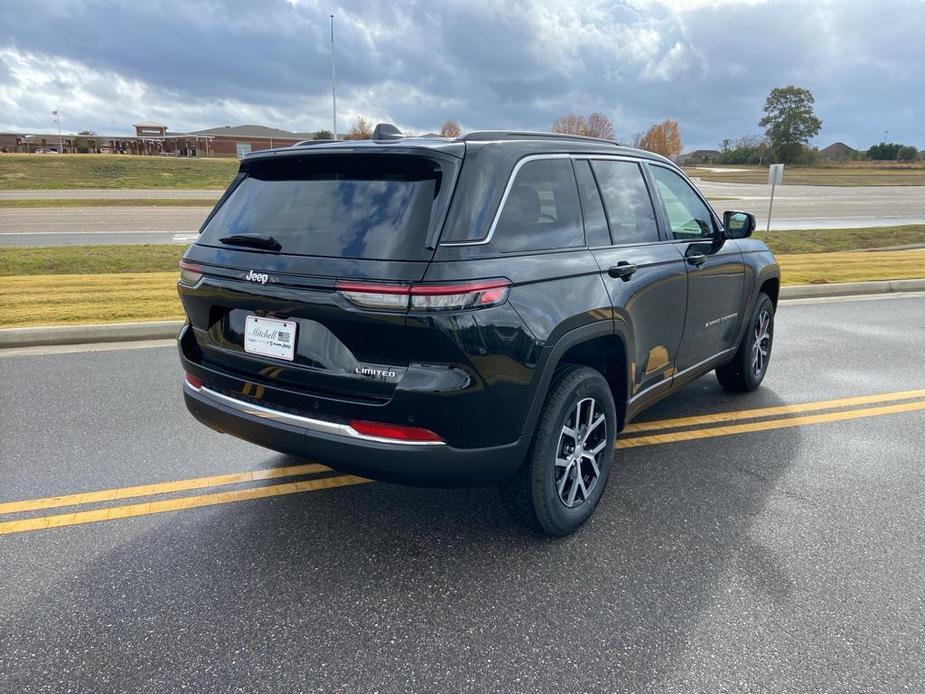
x=483, y=135
x=308, y=143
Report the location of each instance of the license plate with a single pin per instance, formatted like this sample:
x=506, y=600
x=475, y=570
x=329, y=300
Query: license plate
x=269, y=337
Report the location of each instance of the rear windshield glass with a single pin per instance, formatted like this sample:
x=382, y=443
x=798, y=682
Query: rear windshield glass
x=353, y=206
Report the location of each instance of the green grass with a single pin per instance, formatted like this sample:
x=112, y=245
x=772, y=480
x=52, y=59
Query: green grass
x=831, y=240
x=110, y=202
x=79, y=260
x=62, y=171
x=848, y=175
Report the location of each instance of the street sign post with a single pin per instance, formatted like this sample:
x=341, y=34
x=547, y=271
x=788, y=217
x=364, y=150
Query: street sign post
x=775, y=176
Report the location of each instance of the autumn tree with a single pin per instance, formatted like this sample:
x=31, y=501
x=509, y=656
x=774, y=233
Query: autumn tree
x=361, y=129
x=600, y=125
x=595, y=125
x=450, y=128
x=663, y=138
x=789, y=121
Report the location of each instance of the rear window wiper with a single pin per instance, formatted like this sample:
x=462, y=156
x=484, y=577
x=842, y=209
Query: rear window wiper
x=252, y=240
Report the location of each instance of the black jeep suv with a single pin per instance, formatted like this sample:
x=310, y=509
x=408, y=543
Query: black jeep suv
x=493, y=308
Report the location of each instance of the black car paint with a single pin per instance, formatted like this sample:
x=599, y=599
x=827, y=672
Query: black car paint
x=476, y=377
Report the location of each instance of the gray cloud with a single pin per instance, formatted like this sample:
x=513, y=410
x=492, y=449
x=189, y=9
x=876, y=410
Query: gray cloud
x=519, y=64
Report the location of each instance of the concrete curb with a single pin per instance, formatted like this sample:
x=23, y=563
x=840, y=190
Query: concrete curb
x=808, y=291
x=95, y=332
x=160, y=330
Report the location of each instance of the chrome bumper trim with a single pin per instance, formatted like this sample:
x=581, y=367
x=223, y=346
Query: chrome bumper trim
x=318, y=425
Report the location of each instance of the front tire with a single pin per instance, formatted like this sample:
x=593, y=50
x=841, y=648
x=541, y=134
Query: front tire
x=565, y=473
x=748, y=367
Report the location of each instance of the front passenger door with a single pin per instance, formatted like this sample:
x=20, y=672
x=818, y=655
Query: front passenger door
x=715, y=275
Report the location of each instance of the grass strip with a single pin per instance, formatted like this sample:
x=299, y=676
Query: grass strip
x=82, y=171
x=135, y=296
x=830, y=240
x=89, y=260
x=109, y=202
x=826, y=268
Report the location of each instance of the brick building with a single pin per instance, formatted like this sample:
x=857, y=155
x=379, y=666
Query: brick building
x=155, y=139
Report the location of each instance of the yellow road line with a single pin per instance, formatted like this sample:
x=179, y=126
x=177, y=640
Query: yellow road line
x=160, y=488
x=767, y=425
x=226, y=497
x=772, y=411
x=183, y=502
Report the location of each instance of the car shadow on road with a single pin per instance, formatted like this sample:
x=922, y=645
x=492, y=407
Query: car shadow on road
x=383, y=587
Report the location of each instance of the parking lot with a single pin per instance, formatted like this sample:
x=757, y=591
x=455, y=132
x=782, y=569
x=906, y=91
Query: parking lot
x=767, y=542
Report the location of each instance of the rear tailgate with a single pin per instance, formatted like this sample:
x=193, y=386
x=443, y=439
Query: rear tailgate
x=335, y=218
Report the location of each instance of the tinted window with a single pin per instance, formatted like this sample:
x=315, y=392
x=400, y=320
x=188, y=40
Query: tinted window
x=688, y=216
x=356, y=206
x=626, y=199
x=541, y=210
x=591, y=207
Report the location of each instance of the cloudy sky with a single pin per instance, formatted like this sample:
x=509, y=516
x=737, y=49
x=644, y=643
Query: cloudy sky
x=491, y=64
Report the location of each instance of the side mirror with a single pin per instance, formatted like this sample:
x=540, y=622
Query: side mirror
x=738, y=225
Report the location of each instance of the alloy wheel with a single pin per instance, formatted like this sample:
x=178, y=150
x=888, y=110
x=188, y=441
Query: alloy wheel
x=578, y=455
x=762, y=345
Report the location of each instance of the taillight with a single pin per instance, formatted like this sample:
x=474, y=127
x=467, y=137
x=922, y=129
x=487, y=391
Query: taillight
x=193, y=381
x=395, y=432
x=190, y=273
x=426, y=297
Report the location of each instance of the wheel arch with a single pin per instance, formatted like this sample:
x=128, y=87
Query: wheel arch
x=601, y=346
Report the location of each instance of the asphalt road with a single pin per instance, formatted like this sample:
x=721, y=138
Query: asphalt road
x=795, y=207
x=787, y=559
x=821, y=207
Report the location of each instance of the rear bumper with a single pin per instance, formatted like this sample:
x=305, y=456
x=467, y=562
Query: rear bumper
x=336, y=445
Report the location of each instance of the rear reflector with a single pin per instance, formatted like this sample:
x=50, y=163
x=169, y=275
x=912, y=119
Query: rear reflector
x=189, y=272
x=393, y=431
x=193, y=381
x=426, y=297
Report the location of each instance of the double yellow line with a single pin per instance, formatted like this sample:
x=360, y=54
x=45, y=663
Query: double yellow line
x=635, y=435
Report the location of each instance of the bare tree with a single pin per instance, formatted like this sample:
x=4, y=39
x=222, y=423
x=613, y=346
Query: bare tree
x=637, y=140
x=663, y=138
x=570, y=124
x=595, y=125
x=599, y=125
x=362, y=129
x=450, y=128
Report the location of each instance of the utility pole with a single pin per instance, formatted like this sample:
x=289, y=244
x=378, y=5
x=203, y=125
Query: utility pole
x=54, y=114
x=333, y=83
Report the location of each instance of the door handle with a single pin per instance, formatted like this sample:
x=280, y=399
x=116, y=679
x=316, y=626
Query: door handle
x=622, y=270
x=695, y=258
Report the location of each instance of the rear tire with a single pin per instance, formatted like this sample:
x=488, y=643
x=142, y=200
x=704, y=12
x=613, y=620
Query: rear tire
x=748, y=367
x=568, y=465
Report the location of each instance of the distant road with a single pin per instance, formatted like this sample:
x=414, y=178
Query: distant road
x=795, y=207
x=821, y=207
x=64, y=226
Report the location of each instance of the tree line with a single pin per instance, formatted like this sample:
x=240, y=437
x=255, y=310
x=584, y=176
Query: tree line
x=789, y=123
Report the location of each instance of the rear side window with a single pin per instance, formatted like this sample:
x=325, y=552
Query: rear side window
x=688, y=216
x=344, y=206
x=626, y=199
x=541, y=210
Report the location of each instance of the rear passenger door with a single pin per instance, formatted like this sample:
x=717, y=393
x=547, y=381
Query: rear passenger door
x=716, y=275
x=646, y=279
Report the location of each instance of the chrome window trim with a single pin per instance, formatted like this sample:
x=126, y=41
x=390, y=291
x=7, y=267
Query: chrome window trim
x=318, y=425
